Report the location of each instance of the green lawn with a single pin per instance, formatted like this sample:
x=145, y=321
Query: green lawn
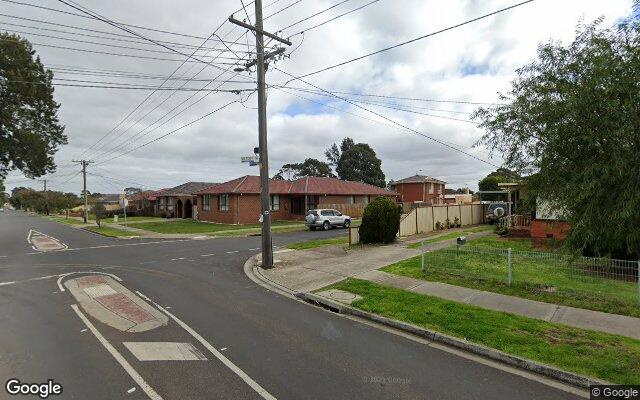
x=552, y=279
x=453, y=235
x=310, y=244
x=600, y=355
x=70, y=221
x=110, y=231
x=191, y=226
x=135, y=219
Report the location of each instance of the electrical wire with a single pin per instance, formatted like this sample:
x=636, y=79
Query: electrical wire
x=413, y=40
x=439, y=141
x=334, y=18
x=313, y=15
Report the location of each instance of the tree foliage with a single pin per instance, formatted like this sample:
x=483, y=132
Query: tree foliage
x=310, y=167
x=356, y=162
x=380, y=221
x=30, y=132
x=572, y=121
x=41, y=202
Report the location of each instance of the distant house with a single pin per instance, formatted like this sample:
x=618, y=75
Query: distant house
x=420, y=188
x=179, y=201
x=143, y=203
x=238, y=201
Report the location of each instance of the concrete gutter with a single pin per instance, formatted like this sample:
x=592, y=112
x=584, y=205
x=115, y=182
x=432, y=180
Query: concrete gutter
x=252, y=271
x=493, y=354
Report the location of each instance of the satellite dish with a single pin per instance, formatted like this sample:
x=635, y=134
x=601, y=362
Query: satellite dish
x=498, y=212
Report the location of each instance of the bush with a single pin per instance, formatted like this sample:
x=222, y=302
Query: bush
x=162, y=214
x=380, y=221
x=100, y=211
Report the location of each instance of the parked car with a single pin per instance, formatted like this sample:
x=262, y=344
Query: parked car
x=326, y=218
x=496, y=210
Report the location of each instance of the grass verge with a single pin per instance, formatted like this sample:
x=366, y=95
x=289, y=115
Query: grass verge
x=600, y=355
x=191, y=226
x=543, y=279
x=113, y=232
x=310, y=244
x=68, y=221
x=452, y=235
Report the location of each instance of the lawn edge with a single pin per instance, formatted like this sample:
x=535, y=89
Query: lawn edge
x=85, y=228
x=570, y=378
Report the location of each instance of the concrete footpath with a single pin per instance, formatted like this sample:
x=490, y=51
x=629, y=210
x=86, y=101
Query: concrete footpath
x=308, y=270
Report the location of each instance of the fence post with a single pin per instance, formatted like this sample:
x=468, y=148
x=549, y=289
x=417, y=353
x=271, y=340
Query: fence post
x=422, y=254
x=638, y=282
x=510, y=264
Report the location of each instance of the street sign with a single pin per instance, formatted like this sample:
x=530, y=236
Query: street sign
x=250, y=159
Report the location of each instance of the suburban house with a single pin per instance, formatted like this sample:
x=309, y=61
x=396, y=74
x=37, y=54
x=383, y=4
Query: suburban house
x=179, y=201
x=420, y=188
x=238, y=201
x=143, y=203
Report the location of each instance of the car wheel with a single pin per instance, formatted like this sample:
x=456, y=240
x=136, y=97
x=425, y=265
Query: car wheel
x=347, y=223
x=326, y=225
x=313, y=228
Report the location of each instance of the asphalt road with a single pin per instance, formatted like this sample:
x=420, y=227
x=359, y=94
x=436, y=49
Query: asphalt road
x=258, y=344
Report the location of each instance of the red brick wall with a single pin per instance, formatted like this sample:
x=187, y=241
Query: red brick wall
x=546, y=229
x=243, y=209
x=410, y=192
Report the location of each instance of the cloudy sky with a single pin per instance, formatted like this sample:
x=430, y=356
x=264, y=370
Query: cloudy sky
x=470, y=64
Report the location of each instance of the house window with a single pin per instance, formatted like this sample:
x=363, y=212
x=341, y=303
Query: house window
x=275, y=202
x=169, y=203
x=430, y=188
x=206, y=202
x=223, y=202
x=440, y=189
x=161, y=203
x=365, y=200
x=351, y=199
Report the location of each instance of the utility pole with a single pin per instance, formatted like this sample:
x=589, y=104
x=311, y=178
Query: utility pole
x=84, y=164
x=46, y=198
x=267, y=243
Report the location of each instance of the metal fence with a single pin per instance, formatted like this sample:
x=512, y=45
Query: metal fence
x=550, y=272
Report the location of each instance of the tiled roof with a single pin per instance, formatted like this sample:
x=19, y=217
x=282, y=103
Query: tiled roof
x=186, y=188
x=310, y=185
x=108, y=198
x=418, y=179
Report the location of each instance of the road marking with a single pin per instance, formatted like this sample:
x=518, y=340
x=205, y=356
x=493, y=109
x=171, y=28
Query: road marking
x=254, y=249
x=29, y=280
x=118, y=245
x=34, y=238
x=223, y=349
x=133, y=389
x=246, y=378
x=119, y=358
x=7, y=283
x=207, y=255
x=99, y=291
x=4, y=256
x=164, y=351
x=62, y=276
x=179, y=258
x=231, y=252
x=83, y=330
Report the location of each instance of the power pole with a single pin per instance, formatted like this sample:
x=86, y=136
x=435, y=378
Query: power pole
x=267, y=243
x=46, y=198
x=84, y=164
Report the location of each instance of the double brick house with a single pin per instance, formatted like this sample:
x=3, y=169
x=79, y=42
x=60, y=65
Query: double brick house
x=420, y=188
x=179, y=201
x=238, y=201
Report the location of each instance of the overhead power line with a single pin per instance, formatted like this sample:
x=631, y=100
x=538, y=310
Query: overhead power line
x=334, y=18
x=414, y=39
x=116, y=85
x=388, y=119
x=313, y=15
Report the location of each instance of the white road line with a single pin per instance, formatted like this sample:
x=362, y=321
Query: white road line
x=207, y=255
x=4, y=256
x=117, y=245
x=246, y=378
x=7, y=283
x=254, y=249
x=119, y=358
x=179, y=258
x=29, y=280
x=231, y=252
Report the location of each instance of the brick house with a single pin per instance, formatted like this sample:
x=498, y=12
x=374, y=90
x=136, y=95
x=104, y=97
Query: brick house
x=179, y=201
x=238, y=201
x=420, y=188
x=143, y=203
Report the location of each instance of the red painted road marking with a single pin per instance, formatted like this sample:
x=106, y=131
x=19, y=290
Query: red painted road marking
x=123, y=306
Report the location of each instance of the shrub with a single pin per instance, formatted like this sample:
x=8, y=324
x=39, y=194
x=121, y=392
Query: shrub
x=456, y=222
x=438, y=225
x=162, y=214
x=380, y=221
x=100, y=211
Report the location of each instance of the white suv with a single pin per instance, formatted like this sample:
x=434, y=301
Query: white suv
x=326, y=218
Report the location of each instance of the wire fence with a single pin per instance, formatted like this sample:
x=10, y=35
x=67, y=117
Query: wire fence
x=605, y=278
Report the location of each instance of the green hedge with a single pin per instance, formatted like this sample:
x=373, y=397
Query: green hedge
x=380, y=221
